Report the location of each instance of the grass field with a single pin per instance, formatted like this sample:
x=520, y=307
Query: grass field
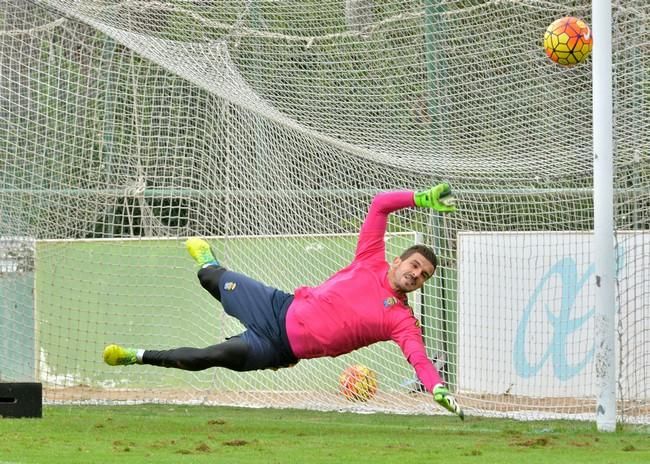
x=197, y=434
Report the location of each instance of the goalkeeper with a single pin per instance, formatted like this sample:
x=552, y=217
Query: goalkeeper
x=361, y=304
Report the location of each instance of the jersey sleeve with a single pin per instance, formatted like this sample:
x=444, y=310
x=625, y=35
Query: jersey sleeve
x=371, y=236
x=408, y=336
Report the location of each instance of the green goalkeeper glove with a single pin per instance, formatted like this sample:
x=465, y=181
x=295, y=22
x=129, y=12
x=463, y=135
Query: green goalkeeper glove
x=446, y=400
x=438, y=198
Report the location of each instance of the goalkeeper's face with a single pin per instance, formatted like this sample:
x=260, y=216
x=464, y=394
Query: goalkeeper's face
x=409, y=274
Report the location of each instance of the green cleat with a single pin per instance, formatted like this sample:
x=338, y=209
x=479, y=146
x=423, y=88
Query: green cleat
x=200, y=251
x=115, y=355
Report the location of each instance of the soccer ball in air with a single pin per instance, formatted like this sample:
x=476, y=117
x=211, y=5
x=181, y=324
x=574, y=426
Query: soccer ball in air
x=358, y=383
x=567, y=41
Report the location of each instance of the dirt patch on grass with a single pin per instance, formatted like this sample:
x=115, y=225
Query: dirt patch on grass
x=538, y=442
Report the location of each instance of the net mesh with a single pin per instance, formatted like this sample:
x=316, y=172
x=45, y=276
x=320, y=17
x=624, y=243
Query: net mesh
x=267, y=127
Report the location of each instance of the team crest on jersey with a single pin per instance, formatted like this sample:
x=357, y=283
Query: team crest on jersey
x=390, y=301
x=229, y=286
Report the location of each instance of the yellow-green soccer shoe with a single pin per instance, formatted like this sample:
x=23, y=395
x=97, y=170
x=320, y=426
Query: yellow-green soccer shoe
x=115, y=355
x=200, y=251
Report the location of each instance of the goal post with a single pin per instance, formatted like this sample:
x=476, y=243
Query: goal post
x=604, y=218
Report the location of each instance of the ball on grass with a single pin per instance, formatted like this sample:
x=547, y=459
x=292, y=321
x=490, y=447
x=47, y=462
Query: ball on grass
x=358, y=383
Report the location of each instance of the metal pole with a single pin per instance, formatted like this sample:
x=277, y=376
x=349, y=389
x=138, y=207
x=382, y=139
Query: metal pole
x=603, y=244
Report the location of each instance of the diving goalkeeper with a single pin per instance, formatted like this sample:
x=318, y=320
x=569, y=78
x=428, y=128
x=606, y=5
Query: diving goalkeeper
x=361, y=304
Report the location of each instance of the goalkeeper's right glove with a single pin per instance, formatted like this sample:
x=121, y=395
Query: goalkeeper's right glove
x=438, y=198
x=446, y=400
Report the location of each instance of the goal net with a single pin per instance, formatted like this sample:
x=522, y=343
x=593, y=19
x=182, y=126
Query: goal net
x=267, y=127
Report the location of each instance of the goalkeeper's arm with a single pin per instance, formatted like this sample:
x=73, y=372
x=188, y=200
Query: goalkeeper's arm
x=407, y=334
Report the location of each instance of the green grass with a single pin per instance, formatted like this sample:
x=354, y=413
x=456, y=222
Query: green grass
x=198, y=434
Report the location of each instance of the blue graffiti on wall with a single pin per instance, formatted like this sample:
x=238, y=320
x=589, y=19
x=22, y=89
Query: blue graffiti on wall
x=562, y=322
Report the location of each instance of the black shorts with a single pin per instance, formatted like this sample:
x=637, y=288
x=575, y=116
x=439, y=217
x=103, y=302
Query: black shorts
x=263, y=311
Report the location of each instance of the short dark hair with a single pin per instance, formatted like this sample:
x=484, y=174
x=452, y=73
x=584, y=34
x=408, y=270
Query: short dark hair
x=424, y=250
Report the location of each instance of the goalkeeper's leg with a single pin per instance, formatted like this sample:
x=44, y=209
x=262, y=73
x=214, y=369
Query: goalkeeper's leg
x=210, y=270
x=231, y=354
x=244, y=352
x=210, y=277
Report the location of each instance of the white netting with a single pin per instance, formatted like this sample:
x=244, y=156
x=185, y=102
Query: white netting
x=268, y=126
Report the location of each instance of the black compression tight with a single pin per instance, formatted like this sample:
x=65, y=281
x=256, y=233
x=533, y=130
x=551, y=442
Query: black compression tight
x=230, y=354
x=209, y=277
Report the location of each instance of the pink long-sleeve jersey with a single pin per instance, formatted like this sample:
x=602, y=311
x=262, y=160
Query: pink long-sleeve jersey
x=357, y=306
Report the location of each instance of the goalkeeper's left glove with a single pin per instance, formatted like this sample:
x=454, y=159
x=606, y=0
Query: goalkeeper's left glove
x=438, y=198
x=446, y=400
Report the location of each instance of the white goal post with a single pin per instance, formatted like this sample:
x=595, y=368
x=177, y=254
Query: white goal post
x=604, y=228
